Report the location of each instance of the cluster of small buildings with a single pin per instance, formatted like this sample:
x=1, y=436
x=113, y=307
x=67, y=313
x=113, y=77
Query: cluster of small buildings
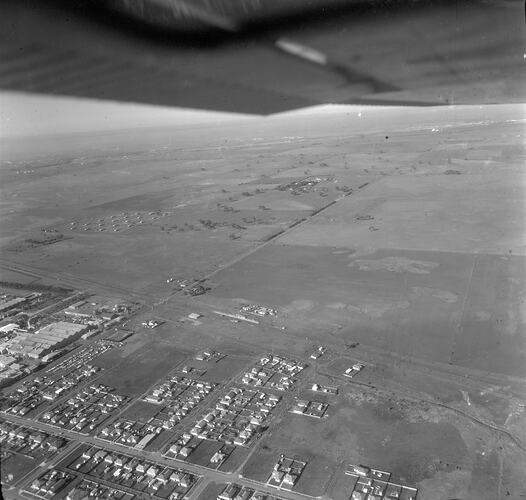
x=86, y=410
x=10, y=302
x=10, y=369
x=258, y=310
x=17, y=307
x=50, y=483
x=151, y=324
x=318, y=352
x=273, y=371
x=97, y=311
x=8, y=331
x=181, y=447
x=353, y=370
x=301, y=186
x=117, y=222
x=180, y=283
x=33, y=393
x=186, y=444
x=86, y=490
x=192, y=370
x=325, y=389
x=196, y=290
x=209, y=355
x=179, y=396
x=286, y=473
x=237, y=417
x=141, y=475
x=314, y=409
x=372, y=484
x=130, y=433
x=233, y=491
x=280, y=364
x=29, y=442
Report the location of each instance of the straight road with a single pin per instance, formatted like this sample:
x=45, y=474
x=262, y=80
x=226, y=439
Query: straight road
x=210, y=475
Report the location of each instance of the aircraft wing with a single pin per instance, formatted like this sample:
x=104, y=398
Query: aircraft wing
x=266, y=56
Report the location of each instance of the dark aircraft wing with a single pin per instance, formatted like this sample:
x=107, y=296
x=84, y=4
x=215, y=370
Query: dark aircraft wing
x=266, y=56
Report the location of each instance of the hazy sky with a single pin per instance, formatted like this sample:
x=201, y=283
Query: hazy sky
x=23, y=114
x=31, y=114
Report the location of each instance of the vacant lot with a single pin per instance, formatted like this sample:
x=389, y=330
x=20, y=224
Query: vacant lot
x=138, y=372
x=437, y=305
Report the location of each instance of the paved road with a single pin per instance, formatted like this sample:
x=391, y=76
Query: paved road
x=209, y=475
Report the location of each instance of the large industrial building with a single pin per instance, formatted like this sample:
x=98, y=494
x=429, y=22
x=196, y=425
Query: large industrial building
x=50, y=338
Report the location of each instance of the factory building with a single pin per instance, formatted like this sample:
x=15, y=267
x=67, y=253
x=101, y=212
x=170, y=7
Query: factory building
x=50, y=338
